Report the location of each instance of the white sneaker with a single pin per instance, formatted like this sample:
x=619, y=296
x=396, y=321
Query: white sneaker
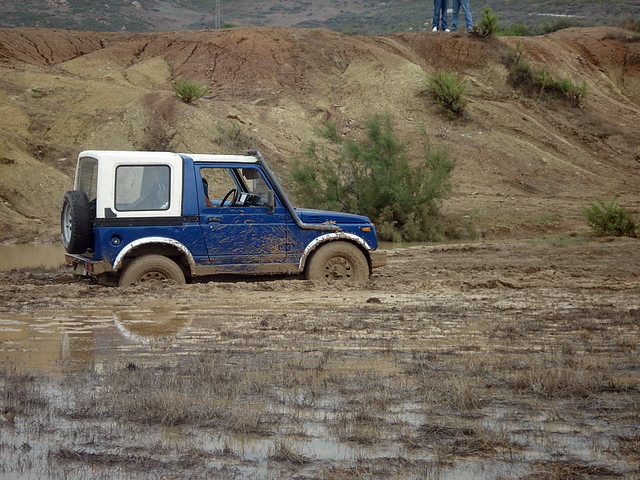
x=447, y=30
x=434, y=29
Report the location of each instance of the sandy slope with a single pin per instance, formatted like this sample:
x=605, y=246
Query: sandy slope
x=525, y=165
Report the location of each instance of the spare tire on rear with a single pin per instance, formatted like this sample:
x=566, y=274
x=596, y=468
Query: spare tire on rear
x=75, y=222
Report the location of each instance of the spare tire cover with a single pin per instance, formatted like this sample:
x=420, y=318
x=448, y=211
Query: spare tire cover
x=75, y=222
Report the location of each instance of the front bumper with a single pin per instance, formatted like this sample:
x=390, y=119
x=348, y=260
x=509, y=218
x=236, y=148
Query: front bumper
x=378, y=258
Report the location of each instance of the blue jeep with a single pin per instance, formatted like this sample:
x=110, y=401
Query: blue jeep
x=142, y=216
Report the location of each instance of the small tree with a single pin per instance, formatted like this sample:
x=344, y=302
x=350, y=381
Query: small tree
x=188, y=91
x=610, y=219
x=373, y=178
x=449, y=90
x=488, y=22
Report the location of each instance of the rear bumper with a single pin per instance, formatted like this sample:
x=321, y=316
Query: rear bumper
x=378, y=258
x=85, y=265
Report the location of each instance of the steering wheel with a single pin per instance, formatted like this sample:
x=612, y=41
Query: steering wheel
x=233, y=192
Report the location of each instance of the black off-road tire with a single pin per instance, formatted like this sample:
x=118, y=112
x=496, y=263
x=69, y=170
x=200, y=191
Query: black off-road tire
x=76, y=222
x=338, y=263
x=151, y=268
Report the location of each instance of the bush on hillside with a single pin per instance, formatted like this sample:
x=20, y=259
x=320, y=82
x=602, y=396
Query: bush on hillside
x=488, y=22
x=373, y=177
x=632, y=23
x=449, y=91
x=556, y=25
x=524, y=76
x=518, y=29
x=189, y=91
x=515, y=29
x=610, y=219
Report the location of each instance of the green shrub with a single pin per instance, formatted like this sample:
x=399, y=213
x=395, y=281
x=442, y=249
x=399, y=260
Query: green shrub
x=610, y=219
x=543, y=79
x=373, y=178
x=632, y=23
x=555, y=26
x=515, y=29
x=188, y=91
x=449, y=90
x=575, y=93
x=523, y=75
x=488, y=22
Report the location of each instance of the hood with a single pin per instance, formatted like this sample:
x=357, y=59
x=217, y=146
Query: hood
x=322, y=216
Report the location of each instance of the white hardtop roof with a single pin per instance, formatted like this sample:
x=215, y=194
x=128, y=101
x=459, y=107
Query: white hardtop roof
x=205, y=157
x=115, y=155
x=128, y=155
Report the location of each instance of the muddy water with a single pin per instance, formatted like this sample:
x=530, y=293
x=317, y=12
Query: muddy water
x=455, y=362
x=30, y=255
x=54, y=340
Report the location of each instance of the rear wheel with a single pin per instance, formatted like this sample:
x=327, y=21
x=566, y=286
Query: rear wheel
x=151, y=268
x=338, y=262
x=75, y=222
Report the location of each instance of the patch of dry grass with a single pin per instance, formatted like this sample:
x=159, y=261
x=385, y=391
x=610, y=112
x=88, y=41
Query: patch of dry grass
x=570, y=470
x=21, y=392
x=283, y=452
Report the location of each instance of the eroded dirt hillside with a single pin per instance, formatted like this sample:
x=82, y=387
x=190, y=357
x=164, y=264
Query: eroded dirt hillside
x=525, y=164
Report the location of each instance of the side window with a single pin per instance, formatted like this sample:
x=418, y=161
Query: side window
x=142, y=187
x=237, y=187
x=88, y=177
x=217, y=182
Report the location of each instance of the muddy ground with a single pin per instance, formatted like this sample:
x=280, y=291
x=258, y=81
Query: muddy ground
x=487, y=360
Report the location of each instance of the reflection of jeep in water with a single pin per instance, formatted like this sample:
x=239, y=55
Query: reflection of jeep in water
x=140, y=216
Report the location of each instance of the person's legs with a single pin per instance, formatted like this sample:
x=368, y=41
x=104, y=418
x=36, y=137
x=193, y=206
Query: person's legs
x=437, y=7
x=456, y=12
x=468, y=20
x=445, y=7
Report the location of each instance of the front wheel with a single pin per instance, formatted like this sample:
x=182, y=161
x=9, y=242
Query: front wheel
x=338, y=262
x=151, y=268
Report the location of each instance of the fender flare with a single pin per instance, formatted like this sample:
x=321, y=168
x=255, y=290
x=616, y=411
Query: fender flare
x=117, y=264
x=331, y=237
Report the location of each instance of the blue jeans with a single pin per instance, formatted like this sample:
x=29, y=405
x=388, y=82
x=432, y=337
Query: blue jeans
x=467, y=14
x=440, y=11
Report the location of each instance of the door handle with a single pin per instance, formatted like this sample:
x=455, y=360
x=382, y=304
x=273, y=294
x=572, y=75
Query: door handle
x=214, y=219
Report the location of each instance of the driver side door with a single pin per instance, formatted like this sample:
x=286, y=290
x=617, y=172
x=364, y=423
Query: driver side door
x=240, y=230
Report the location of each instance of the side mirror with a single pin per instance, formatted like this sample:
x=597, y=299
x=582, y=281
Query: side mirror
x=271, y=201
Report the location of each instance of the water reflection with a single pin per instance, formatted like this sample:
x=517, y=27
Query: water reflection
x=146, y=326
x=46, y=341
x=61, y=341
x=30, y=255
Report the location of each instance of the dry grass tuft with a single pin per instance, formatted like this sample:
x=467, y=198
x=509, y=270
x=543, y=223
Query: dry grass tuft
x=21, y=393
x=360, y=427
x=107, y=459
x=207, y=390
x=629, y=445
x=283, y=452
x=570, y=470
x=463, y=441
x=561, y=381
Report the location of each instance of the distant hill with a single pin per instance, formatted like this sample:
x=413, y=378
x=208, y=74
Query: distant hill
x=347, y=16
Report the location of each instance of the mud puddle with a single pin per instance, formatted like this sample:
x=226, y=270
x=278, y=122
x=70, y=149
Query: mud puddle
x=454, y=362
x=30, y=255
